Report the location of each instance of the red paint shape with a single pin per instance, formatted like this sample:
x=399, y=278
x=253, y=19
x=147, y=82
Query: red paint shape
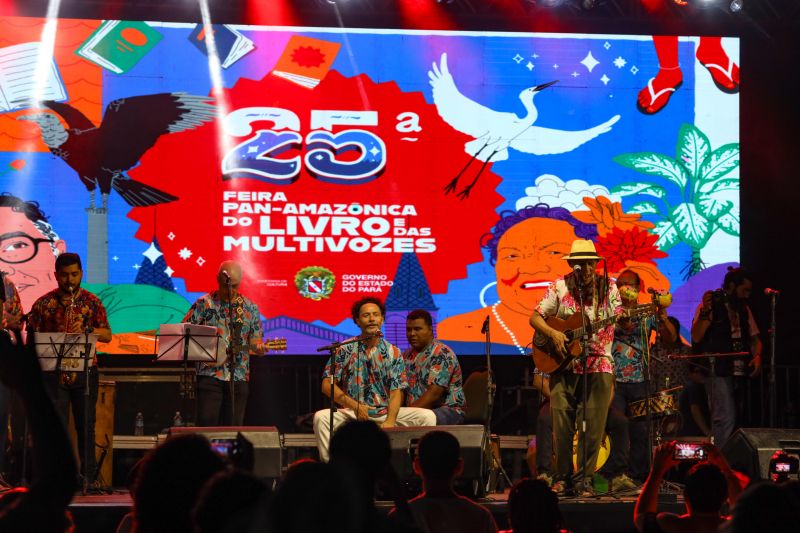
x=134, y=36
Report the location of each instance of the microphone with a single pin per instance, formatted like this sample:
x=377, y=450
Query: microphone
x=225, y=275
x=485, y=326
x=577, y=269
x=368, y=336
x=771, y=292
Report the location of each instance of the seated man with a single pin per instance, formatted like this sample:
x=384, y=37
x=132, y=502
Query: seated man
x=434, y=375
x=369, y=377
x=439, y=508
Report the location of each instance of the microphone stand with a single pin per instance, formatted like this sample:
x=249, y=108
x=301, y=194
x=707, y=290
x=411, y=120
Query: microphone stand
x=585, y=357
x=490, y=388
x=88, y=447
x=331, y=349
x=231, y=353
x=773, y=402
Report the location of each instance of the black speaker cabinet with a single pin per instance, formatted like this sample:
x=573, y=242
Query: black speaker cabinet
x=265, y=439
x=404, y=442
x=749, y=449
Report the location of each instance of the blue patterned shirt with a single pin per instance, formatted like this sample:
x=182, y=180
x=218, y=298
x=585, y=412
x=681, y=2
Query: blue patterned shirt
x=629, y=347
x=435, y=365
x=368, y=378
x=209, y=310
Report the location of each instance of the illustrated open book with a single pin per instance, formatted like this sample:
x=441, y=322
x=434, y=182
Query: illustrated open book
x=18, y=83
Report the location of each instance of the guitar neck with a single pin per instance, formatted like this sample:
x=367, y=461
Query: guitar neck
x=603, y=322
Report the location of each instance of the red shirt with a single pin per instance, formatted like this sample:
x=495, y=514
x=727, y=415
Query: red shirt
x=86, y=310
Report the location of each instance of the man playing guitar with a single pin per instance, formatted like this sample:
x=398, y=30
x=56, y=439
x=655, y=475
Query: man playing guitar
x=238, y=322
x=601, y=301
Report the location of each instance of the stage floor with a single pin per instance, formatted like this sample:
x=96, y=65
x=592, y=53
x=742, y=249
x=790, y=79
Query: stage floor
x=605, y=514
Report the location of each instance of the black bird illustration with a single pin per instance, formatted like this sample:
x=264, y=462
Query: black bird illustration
x=130, y=126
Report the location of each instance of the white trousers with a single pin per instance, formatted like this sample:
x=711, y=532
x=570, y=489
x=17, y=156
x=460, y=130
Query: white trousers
x=408, y=416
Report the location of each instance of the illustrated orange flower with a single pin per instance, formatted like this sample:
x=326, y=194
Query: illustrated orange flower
x=17, y=164
x=608, y=215
x=634, y=244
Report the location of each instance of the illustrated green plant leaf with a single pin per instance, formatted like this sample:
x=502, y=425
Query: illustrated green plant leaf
x=650, y=189
x=723, y=184
x=693, y=228
x=644, y=207
x=667, y=235
x=729, y=223
x=719, y=162
x=713, y=209
x=693, y=148
x=655, y=164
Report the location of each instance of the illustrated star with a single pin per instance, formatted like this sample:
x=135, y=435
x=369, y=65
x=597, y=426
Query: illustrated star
x=589, y=62
x=152, y=253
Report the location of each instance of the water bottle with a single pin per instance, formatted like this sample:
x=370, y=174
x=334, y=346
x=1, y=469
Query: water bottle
x=177, y=420
x=138, y=427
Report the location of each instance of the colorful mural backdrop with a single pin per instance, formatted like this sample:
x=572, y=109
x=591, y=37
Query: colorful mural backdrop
x=443, y=170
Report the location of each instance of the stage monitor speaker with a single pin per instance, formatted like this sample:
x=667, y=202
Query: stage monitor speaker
x=265, y=439
x=404, y=442
x=749, y=450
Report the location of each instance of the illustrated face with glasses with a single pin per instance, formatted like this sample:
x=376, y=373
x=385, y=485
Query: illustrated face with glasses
x=27, y=256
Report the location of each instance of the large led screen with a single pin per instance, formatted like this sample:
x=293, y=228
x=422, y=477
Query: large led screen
x=441, y=170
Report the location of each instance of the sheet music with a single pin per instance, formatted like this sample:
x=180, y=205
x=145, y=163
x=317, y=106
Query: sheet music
x=204, y=343
x=70, y=346
x=18, y=88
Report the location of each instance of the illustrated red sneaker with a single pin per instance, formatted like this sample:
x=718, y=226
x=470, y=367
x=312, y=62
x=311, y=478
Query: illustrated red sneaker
x=656, y=95
x=726, y=79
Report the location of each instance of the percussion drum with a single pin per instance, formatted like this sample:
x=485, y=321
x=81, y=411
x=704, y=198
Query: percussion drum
x=662, y=403
x=602, y=457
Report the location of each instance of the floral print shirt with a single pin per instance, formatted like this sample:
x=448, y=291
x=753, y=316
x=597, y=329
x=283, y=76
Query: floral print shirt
x=245, y=329
x=86, y=310
x=559, y=302
x=630, y=341
x=12, y=307
x=369, y=375
x=435, y=365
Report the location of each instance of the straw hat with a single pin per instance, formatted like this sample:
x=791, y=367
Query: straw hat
x=582, y=250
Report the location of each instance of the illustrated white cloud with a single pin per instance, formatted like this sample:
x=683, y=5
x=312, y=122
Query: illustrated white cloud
x=553, y=191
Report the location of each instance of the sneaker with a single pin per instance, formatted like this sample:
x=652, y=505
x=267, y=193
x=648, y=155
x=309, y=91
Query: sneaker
x=546, y=478
x=584, y=490
x=559, y=487
x=623, y=483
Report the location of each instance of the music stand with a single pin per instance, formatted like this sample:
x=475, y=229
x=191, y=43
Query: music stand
x=71, y=352
x=188, y=342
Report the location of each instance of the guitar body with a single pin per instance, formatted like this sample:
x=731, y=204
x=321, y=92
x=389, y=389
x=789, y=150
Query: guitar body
x=545, y=356
x=551, y=361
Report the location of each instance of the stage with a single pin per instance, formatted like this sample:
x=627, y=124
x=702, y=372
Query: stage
x=102, y=513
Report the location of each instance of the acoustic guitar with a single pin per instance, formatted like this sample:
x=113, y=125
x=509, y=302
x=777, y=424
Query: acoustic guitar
x=550, y=361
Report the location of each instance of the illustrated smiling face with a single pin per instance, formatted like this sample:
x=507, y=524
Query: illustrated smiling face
x=529, y=257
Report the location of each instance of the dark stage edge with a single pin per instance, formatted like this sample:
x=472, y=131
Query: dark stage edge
x=102, y=513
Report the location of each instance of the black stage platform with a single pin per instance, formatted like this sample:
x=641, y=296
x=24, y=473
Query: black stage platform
x=102, y=513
